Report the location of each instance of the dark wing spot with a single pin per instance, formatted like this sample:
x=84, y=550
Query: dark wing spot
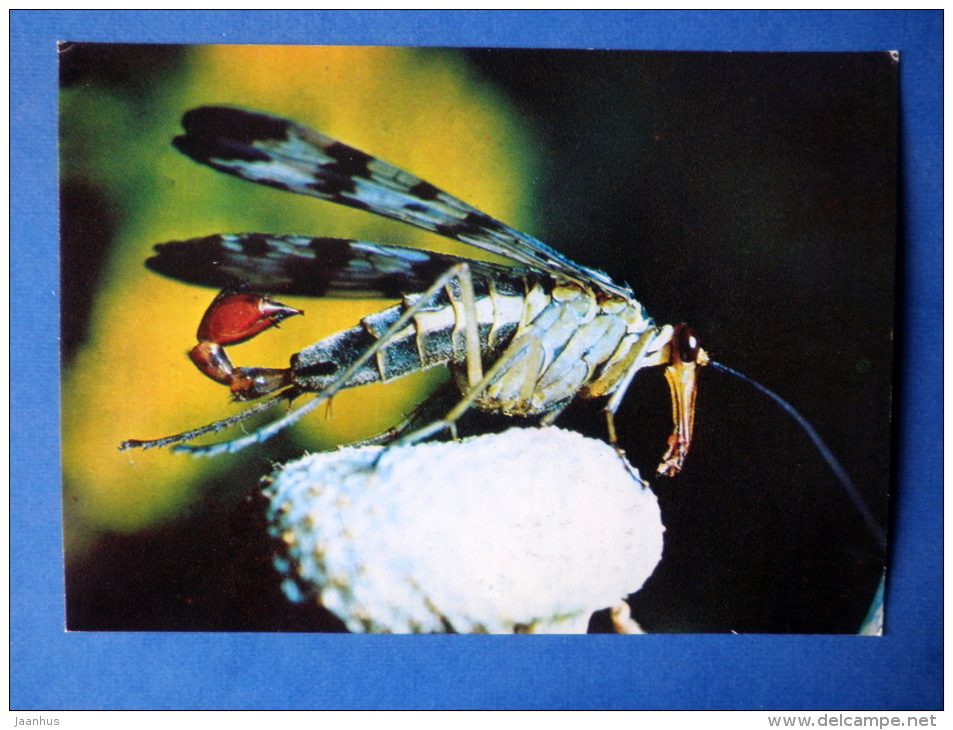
x=222, y=133
x=278, y=185
x=483, y=221
x=256, y=245
x=203, y=149
x=424, y=191
x=332, y=253
x=238, y=125
x=194, y=262
x=451, y=231
x=331, y=185
x=473, y=224
x=416, y=207
x=354, y=203
x=348, y=161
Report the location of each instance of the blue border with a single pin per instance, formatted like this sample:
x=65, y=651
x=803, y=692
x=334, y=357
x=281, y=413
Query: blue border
x=54, y=670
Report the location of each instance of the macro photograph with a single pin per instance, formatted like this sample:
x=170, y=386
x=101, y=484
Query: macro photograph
x=476, y=340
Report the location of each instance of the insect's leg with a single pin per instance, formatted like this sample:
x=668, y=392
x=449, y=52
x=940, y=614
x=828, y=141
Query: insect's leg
x=435, y=406
x=211, y=428
x=471, y=326
x=518, y=348
x=677, y=349
x=550, y=418
x=648, y=351
x=292, y=417
x=233, y=318
x=535, y=358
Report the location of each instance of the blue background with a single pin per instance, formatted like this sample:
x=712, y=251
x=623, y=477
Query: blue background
x=54, y=670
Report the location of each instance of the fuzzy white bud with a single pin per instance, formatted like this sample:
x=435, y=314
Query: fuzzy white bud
x=529, y=530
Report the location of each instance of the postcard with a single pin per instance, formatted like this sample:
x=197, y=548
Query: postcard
x=418, y=340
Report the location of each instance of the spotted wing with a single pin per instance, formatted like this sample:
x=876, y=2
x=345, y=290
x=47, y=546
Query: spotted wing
x=288, y=156
x=304, y=266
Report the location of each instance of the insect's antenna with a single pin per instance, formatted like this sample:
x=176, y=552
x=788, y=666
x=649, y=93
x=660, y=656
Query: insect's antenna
x=875, y=529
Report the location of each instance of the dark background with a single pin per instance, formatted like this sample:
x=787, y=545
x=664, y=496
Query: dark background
x=750, y=195
x=902, y=670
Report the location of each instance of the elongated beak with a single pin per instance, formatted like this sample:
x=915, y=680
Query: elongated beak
x=682, y=376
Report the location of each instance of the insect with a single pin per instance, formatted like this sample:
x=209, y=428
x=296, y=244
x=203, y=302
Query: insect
x=521, y=340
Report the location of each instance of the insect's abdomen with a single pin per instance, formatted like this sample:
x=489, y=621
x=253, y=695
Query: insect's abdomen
x=553, y=341
x=435, y=336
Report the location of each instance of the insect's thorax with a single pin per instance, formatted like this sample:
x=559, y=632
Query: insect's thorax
x=556, y=338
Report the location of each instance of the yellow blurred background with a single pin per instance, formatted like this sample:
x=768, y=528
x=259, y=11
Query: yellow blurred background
x=425, y=111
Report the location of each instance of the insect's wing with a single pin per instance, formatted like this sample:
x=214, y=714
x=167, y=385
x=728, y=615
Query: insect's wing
x=304, y=266
x=285, y=155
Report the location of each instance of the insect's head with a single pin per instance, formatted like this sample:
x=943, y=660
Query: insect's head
x=685, y=347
